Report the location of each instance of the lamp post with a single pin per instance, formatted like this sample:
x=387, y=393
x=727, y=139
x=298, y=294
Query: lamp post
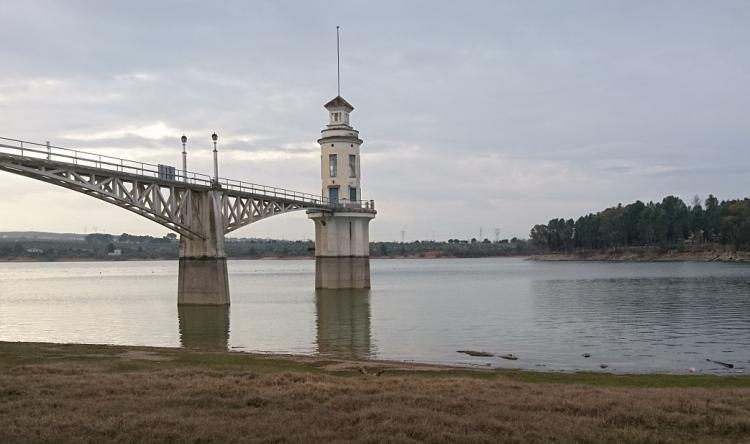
x=214, y=137
x=184, y=158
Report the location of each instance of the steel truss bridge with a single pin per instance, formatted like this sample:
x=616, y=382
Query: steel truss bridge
x=160, y=194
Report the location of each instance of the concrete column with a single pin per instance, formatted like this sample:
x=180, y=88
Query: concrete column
x=203, y=277
x=342, y=249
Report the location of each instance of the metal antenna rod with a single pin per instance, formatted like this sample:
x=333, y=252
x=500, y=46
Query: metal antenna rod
x=338, y=63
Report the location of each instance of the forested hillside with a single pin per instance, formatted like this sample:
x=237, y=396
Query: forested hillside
x=670, y=222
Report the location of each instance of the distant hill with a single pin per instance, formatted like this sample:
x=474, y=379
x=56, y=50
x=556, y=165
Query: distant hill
x=41, y=235
x=43, y=246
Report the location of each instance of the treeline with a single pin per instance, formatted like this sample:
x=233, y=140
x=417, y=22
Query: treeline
x=93, y=247
x=452, y=248
x=130, y=247
x=670, y=222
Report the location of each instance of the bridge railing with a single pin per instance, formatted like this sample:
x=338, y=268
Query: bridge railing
x=297, y=196
x=101, y=161
x=110, y=163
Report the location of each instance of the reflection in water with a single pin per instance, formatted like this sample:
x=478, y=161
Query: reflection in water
x=653, y=324
x=343, y=323
x=204, y=327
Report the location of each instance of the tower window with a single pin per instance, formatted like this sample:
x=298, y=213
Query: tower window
x=352, y=165
x=353, y=194
x=332, y=165
x=336, y=117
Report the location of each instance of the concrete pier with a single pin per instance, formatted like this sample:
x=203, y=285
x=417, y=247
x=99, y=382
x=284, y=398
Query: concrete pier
x=203, y=277
x=342, y=248
x=342, y=272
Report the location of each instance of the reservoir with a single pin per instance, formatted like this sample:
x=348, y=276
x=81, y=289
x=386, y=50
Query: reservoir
x=630, y=317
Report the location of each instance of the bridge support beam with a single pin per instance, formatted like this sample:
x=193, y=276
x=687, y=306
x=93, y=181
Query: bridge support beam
x=203, y=277
x=342, y=249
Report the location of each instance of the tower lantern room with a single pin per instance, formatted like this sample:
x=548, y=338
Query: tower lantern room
x=338, y=110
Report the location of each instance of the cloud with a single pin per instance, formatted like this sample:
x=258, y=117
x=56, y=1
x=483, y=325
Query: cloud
x=136, y=76
x=154, y=131
x=268, y=155
x=501, y=114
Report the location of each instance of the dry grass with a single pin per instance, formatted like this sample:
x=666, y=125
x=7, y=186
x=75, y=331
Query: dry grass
x=119, y=394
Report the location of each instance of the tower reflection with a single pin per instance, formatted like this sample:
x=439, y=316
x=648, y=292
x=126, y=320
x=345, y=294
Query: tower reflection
x=343, y=323
x=204, y=327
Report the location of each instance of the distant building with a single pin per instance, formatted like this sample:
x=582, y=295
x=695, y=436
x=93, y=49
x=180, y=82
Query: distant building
x=115, y=252
x=34, y=250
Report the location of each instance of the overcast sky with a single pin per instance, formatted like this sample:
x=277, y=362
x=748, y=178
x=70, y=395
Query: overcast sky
x=473, y=114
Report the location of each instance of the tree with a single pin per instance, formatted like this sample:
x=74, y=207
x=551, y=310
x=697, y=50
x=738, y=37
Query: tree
x=540, y=236
x=712, y=221
x=675, y=214
x=735, y=226
x=99, y=238
x=631, y=216
x=647, y=224
x=697, y=223
x=611, y=227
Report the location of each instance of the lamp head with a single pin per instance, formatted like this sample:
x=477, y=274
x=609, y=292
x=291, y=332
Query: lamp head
x=214, y=137
x=184, y=139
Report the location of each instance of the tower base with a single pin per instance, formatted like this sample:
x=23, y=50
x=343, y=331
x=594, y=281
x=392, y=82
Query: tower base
x=342, y=272
x=342, y=248
x=203, y=281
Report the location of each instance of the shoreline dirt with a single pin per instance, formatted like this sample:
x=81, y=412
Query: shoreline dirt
x=647, y=255
x=95, y=393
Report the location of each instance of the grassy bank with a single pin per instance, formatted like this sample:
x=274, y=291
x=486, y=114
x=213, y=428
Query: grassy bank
x=90, y=393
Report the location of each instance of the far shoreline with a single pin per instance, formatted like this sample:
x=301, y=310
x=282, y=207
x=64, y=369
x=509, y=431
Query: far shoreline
x=265, y=258
x=631, y=255
x=622, y=256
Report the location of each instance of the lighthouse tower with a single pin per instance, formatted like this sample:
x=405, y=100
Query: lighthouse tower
x=342, y=238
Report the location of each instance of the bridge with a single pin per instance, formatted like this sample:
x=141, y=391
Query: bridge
x=153, y=191
x=202, y=209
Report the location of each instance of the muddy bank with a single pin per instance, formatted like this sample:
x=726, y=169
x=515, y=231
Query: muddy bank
x=648, y=255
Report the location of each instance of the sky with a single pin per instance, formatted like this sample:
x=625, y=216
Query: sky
x=477, y=115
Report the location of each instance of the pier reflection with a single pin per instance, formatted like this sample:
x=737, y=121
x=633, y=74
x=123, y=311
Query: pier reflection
x=343, y=323
x=204, y=327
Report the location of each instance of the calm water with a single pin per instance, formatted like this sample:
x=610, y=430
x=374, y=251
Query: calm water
x=637, y=317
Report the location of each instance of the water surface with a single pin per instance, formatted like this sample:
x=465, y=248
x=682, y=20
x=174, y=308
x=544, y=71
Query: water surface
x=633, y=317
